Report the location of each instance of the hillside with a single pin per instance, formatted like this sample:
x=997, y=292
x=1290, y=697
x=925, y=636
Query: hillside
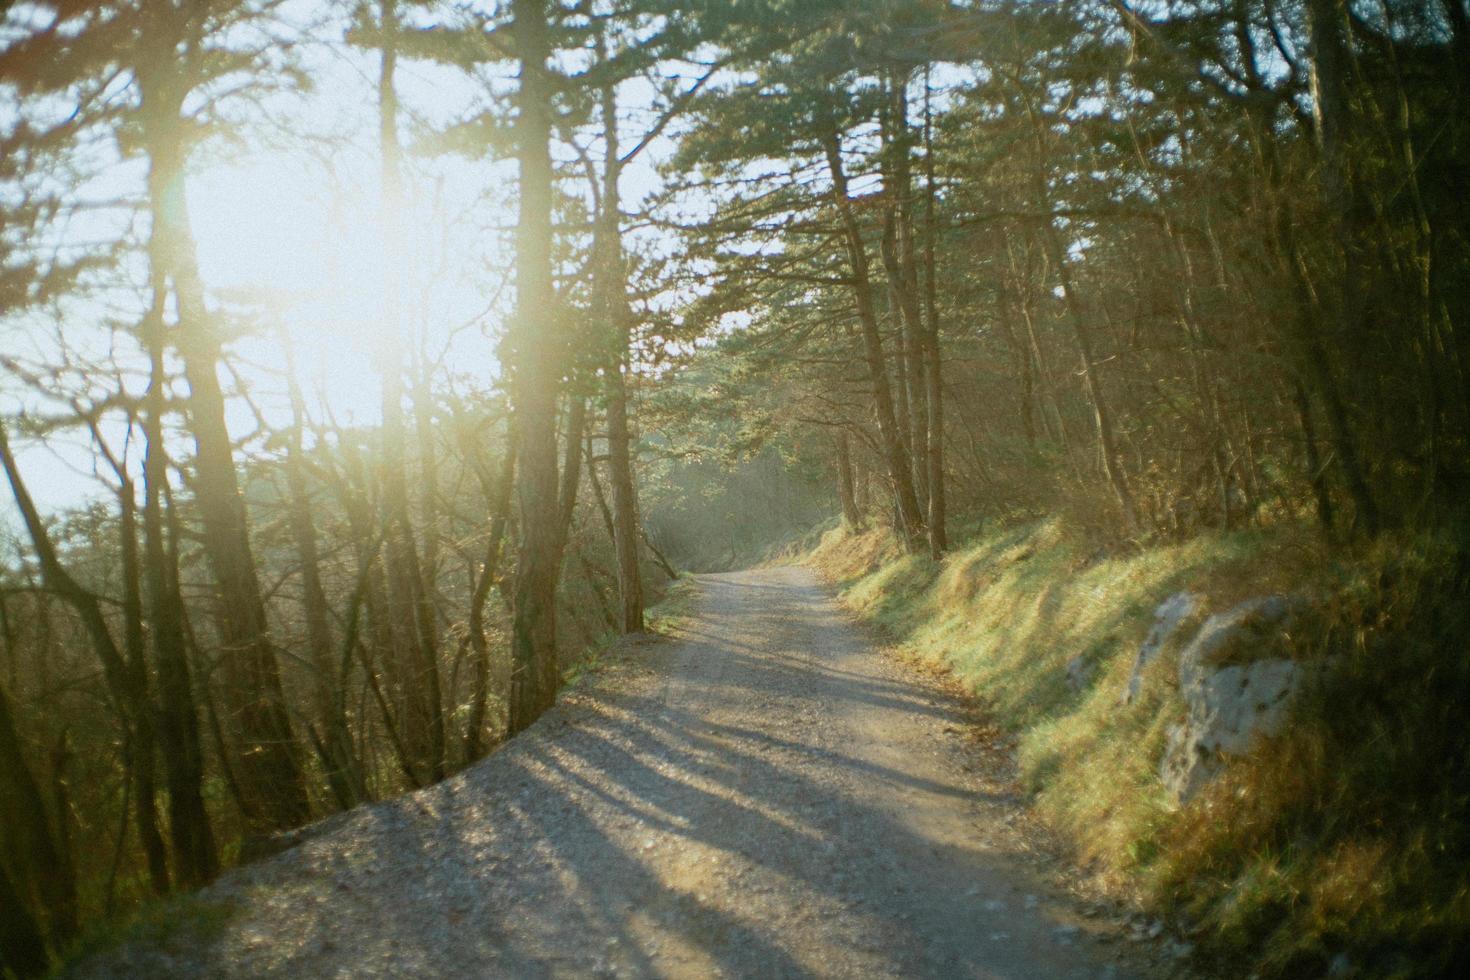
x=1321, y=827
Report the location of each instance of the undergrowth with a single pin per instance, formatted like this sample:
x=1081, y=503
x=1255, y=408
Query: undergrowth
x=1343, y=839
x=172, y=923
x=673, y=606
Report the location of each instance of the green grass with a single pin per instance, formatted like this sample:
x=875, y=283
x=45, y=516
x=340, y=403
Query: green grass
x=1006, y=613
x=589, y=663
x=1348, y=834
x=673, y=607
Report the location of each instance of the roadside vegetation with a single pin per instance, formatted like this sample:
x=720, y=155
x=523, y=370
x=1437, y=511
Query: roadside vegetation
x=1341, y=840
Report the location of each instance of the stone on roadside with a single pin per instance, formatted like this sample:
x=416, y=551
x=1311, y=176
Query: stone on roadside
x=1170, y=613
x=1080, y=671
x=1233, y=693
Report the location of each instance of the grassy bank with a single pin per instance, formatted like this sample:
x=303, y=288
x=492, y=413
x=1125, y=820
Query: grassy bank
x=674, y=604
x=1342, y=843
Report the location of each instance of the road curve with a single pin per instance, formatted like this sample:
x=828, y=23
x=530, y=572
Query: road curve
x=766, y=796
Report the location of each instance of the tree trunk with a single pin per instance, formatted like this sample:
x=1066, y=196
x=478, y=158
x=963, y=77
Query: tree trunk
x=598, y=496
x=933, y=368
x=52, y=880
x=934, y=402
x=614, y=309
x=500, y=517
x=910, y=413
x=1101, y=410
x=421, y=398
x=902, y=273
x=126, y=683
x=658, y=556
x=1102, y=413
x=344, y=775
x=1333, y=111
x=861, y=496
x=1025, y=366
x=1051, y=411
x=592, y=573
x=571, y=471
x=190, y=835
x=851, y=516
x=624, y=502
x=1315, y=470
x=22, y=950
x=905, y=498
x=142, y=748
x=410, y=606
x=380, y=649
x=267, y=762
x=533, y=350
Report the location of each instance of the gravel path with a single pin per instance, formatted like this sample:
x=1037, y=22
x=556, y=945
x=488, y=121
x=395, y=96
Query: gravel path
x=766, y=796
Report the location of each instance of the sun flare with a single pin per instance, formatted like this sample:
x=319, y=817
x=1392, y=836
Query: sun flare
x=270, y=228
x=276, y=234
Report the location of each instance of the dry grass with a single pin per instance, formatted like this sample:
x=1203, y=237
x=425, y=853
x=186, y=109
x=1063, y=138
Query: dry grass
x=1348, y=836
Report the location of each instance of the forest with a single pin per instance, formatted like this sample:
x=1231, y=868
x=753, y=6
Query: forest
x=368, y=366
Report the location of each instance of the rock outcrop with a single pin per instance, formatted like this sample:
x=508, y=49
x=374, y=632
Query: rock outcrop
x=1237, y=686
x=1167, y=618
x=1080, y=672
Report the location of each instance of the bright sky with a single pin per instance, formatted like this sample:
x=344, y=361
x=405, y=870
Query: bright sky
x=302, y=224
x=292, y=218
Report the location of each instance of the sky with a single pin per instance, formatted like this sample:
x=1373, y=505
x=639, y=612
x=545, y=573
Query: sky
x=287, y=224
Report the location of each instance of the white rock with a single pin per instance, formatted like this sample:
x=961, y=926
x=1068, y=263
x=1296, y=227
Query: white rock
x=1230, y=706
x=1079, y=672
x=1167, y=617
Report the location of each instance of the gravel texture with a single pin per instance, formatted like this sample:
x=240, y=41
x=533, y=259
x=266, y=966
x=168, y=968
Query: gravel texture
x=764, y=795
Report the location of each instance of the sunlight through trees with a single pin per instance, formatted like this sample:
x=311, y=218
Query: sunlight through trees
x=365, y=366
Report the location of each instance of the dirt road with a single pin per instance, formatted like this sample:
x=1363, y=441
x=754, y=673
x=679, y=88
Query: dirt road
x=766, y=795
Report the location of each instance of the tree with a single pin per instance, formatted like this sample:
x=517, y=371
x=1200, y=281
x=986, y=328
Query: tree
x=409, y=581
x=611, y=304
x=267, y=760
x=22, y=950
x=46, y=876
x=532, y=350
